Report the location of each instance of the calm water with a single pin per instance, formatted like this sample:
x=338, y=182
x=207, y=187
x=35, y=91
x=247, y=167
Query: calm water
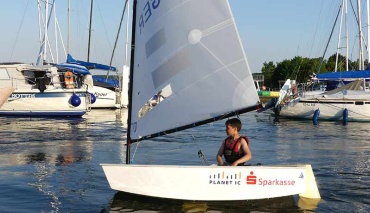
x=52, y=165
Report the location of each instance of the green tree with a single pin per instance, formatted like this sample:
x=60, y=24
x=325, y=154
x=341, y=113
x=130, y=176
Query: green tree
x=267, y=70
x=282, y=71
x=300, y=69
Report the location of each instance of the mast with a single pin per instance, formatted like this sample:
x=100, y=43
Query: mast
x=346, y=20
x=130, y=89
x=127, y=28
x=368, y=32
x=45, y=30
x=361, y=57
x=327, y=44
x=88, y=46
x=339, y=37
x=117, y=37
x=42, y=51
x=39, y=20
x=69, y=25
x=126, y=69
x=56, y=34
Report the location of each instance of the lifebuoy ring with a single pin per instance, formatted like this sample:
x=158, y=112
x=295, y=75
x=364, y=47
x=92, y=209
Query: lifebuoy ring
x=68, y=80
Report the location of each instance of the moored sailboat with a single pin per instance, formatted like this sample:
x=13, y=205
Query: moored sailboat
x=43, y=91
x=193, y=49
x=347, y=103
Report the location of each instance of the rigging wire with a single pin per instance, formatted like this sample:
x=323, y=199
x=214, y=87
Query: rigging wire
x=358, y=25
x=201, y=156
x=318, y=21
x=133, y=156
x=19, y=29
x=104, y=25
x=119, y=29
x=326, y=26
x=327, y=44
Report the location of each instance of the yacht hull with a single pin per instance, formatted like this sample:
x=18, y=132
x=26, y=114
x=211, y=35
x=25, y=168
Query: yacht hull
x=48, y=103
x=330, y=109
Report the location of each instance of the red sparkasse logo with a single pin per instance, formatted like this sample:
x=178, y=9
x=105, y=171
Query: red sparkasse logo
x=252, y=179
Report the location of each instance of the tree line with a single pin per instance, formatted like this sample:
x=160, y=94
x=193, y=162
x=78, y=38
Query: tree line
x=300, y=68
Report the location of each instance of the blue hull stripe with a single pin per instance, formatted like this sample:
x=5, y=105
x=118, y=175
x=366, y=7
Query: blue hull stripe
x=44, y=113
x=46, y=95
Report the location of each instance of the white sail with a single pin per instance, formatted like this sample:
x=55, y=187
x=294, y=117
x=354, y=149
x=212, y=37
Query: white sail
x=192, y=48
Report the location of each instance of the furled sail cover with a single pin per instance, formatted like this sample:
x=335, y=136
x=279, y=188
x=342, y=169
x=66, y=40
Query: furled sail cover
x=193, y=48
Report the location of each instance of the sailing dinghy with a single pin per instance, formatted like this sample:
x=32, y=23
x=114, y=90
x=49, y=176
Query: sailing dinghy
x=192, y=48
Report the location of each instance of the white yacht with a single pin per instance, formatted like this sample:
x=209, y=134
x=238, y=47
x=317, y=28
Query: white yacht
x=43, y=91
x=348, y=103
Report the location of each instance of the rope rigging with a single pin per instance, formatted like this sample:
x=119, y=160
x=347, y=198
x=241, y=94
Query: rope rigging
x=201, y=156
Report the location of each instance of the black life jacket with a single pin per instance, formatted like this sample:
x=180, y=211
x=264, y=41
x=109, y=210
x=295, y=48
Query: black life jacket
x=231, y=149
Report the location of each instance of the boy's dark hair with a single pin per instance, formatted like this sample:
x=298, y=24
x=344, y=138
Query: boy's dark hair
x=234, y=122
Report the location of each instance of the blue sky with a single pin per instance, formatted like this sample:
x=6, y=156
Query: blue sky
x=270, y=30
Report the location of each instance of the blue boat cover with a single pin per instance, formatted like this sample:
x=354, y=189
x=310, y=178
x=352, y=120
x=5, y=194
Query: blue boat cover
x=90, y=65
x=109, y=81
x=343, y=75
x=76, y=69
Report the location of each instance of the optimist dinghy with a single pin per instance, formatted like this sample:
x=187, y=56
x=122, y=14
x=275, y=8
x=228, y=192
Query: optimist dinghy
x=192, y=49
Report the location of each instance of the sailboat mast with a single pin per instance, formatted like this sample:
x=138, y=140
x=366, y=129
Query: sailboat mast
x=361, y=57
x=45, y=30
x=339, y=37
x=347, y=56
x=39, y=20
x=368, y=32
x=69, y=26
x=130, y=89
x=127, y=36
x=88, y=46
x=117, y=37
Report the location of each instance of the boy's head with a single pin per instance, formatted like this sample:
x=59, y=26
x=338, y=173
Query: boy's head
x=234, y=122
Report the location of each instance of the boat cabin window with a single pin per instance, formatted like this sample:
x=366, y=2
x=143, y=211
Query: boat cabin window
x=70, y=80
x=4, y=74
x=39, y=78
x=30, y=77
x=359, y=103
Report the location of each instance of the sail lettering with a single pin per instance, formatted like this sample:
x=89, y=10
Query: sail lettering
x=147, y=12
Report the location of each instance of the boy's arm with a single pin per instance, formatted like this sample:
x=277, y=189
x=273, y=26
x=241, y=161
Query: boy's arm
x=219, y=155
x=247, y=153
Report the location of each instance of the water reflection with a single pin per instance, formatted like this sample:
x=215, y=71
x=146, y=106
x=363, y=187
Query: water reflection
x=51, y=157
x=126, y=202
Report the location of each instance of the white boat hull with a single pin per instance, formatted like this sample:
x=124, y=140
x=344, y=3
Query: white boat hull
x=213, y=183
x=48, y=103
x=330, y=109
x=105, y=98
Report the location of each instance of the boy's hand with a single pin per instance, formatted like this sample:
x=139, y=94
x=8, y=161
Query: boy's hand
x=234, y=164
